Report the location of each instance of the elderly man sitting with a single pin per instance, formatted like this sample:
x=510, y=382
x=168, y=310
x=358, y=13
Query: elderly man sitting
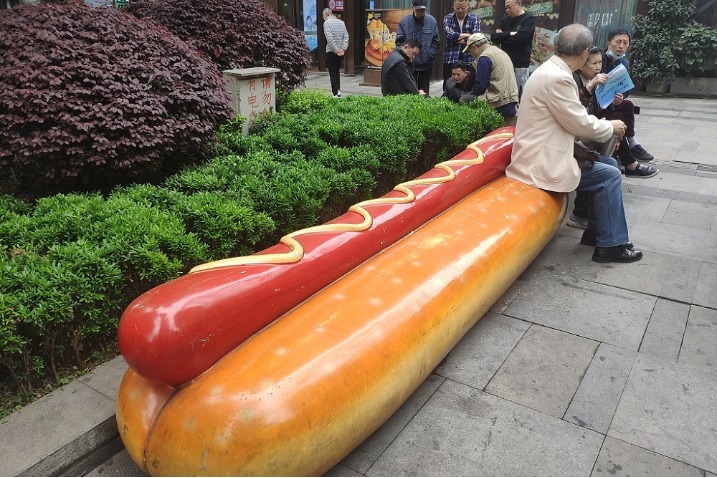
x=551, y=117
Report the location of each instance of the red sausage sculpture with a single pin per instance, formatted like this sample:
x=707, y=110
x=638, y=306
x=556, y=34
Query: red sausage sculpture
x=176, y=331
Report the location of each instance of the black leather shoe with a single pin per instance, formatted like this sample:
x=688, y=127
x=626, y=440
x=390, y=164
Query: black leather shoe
x=616, y=254
x=588, y=239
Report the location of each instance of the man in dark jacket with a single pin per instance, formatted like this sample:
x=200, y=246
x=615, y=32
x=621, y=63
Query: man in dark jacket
x=618, y=41
x=397, y=71
x=422, y=27
x=515, y=37
x=460, y=83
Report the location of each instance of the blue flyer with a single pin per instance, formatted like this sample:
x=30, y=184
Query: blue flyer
x=618, y=81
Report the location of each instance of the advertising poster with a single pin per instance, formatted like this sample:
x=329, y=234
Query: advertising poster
x=381, y=28
x=542, y=46
x=485, y=11
x=309, y=20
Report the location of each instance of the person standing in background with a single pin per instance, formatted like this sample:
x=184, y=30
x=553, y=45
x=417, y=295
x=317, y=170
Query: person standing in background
x=337, y=42
x=422, y=27
x=457, y=27
x=515, y=37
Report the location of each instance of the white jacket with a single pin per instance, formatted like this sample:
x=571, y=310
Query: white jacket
x=337, y=37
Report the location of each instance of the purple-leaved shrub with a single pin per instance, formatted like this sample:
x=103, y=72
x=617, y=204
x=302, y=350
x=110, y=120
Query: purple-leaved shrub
x=234, y=34
x=90, y=95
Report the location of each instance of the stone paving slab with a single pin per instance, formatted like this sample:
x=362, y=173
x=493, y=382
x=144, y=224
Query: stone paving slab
x=618, y=458
x=566, y=257
x=663, y=337
x=41, y=438
x=650, y=277
x=544, y=356
x=706, y=288
x=598, y=312
x=644, y=207
x=687, y=214
x=708, y=187
x=595, y=401
x=675, y=240
x=366, y=454
x=477, y=357
x=465, y=432
x=699, y=347
x=670, y=409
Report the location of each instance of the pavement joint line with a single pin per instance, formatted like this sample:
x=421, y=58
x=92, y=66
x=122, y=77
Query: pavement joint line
x=651, y=191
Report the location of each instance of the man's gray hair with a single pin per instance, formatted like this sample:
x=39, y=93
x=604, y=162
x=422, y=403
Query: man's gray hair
x=573, y=40
x=327, y=12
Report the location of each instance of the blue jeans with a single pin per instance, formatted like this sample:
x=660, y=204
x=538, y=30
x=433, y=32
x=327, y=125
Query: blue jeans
x=607, y=215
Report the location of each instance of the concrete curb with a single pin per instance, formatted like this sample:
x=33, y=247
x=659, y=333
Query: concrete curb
x=53, y=436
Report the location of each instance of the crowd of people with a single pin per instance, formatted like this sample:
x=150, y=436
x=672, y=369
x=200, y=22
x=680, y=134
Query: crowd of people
x=551, y=108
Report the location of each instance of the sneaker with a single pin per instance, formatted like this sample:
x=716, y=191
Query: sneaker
x=640, y=154
x=642, y=171
x=577, y=221
x=338, y=93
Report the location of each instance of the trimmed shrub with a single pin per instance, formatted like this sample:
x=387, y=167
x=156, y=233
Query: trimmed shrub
x=71, y=262
x=234, y=34
x=92, y=93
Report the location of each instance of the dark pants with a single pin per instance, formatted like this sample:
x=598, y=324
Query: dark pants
x=423, y=79
x=333, y=64
x=624, y=154
x=625, y=111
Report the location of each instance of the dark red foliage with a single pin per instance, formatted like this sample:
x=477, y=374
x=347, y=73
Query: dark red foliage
x=87, y=92
x=234, y=34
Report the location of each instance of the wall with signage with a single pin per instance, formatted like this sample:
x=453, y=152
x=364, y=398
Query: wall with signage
x=602, y=16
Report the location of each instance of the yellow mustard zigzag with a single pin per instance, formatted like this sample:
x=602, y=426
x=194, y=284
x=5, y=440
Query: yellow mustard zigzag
x=296, y=250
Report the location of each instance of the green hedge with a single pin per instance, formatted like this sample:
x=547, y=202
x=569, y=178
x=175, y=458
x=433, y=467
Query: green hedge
x=71, y=263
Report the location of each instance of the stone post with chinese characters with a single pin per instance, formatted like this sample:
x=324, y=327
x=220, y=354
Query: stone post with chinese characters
x=252, y=92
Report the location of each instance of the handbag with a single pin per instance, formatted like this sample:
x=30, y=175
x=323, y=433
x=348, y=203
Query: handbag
x=584, y=155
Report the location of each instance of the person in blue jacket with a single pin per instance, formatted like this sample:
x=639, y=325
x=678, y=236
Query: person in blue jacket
x=422, y=27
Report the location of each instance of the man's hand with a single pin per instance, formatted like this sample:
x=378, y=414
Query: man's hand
x=499, y=31
x=618, y=99
x=421, y=92
x=340, y=52
x=618, y=129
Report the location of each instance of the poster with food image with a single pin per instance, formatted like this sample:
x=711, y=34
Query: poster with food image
x=542, y=46
x=381, y=27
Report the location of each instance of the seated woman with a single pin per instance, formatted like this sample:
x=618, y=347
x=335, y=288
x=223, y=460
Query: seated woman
x=588, y=78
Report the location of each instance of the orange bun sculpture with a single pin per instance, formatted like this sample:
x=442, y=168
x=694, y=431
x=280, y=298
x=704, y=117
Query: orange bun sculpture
x=303, y=392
